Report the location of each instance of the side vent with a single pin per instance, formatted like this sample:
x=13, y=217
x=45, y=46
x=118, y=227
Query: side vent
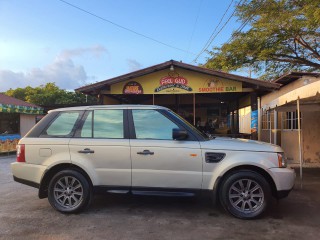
x=214, y=157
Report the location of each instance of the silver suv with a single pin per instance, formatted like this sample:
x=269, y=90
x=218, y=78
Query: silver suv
x=75, y=152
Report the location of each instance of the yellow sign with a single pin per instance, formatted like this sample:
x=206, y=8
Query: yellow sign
x=176, y=82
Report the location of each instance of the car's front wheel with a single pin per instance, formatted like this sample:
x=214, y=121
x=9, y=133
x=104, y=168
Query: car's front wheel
x=245, y=194
x=69, y=191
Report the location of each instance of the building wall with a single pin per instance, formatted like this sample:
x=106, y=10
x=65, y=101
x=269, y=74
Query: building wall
x=290, y=145
x=109, y=101
x=310, y=136
x=26, y=123
x=304, y=87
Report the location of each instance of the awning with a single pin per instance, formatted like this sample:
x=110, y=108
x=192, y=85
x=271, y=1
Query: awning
x=9, y=108
x=310, y=104
x=305, y=92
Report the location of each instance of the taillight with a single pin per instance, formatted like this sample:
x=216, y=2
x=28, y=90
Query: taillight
x=21, y=157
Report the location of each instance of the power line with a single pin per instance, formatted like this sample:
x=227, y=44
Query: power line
x=207, y=43
x=244, y=24
x=213, y=37
x=125, y=28
x=194, y=25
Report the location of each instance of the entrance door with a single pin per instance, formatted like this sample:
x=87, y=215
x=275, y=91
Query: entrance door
x=158, y=160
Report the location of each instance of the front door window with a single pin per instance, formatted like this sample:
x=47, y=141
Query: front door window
x=151, y=124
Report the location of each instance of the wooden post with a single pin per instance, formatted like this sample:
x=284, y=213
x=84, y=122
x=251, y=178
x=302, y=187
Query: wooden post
x=270, y=130
x=275, y=119
x=299, y=136
x=259, y=118
x=152, y=99
x=194, y=109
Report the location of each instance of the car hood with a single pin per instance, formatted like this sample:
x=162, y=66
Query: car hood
x=238, y=144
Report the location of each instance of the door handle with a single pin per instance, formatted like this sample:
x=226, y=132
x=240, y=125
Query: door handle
x=145, y=152
x=86, y=150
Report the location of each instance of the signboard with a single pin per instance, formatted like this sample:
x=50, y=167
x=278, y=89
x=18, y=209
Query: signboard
x=132, y=88
x=8, y=108
x=254, y=121
x=176, y=82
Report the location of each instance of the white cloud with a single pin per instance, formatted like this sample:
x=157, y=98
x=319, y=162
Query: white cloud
x=96, y=51
x=133, y=65
x=62, y=71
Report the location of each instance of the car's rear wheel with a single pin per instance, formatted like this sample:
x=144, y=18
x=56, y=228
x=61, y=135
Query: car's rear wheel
x=69, y=191
x=245, y=194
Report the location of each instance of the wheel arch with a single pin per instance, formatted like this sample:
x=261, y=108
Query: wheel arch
x=264, y=173
x=43, y=189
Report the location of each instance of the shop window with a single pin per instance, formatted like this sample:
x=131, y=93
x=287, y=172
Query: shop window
x=290, y=120
x=9, y=123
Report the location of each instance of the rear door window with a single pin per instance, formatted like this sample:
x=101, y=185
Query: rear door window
x=106, y=123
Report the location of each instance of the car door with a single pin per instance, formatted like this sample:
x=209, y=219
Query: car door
x=158, y=161
x=101, y=147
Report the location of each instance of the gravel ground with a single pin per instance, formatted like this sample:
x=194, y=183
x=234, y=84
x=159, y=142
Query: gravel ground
x=24, y=216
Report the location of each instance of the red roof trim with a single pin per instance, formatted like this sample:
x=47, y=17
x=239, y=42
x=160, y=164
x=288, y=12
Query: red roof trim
x=4, y=99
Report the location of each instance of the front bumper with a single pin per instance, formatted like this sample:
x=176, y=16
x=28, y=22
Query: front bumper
x=284, y=180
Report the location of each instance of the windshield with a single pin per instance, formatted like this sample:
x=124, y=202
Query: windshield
x=205, y=136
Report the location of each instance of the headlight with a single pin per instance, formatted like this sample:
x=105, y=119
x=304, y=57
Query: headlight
x=282, y=160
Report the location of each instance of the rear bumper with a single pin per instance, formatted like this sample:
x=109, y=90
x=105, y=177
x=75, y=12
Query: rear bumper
x=26, y=182
x=28, y=174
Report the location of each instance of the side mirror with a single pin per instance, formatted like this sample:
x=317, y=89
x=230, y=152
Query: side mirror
x=178, y=134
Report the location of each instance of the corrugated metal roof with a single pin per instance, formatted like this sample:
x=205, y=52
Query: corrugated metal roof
x=292, y=76
x=4, y=99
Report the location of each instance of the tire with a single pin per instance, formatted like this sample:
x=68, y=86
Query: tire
x=245, y=194
x=69, y=192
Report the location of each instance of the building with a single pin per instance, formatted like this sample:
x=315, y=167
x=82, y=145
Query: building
x=236, y=106
x=290, y=116
x=220, y=103
x=16, y=119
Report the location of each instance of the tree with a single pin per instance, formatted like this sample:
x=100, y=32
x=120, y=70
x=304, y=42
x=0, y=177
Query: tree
x=50, y=95
x=283, y=35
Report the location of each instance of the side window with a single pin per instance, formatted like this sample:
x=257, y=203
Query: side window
x=151, y=124
x=103, y=124
x=63, y=125
x=106, y=124
x=86, y=131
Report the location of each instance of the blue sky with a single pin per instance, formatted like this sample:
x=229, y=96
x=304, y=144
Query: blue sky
x=50, y=41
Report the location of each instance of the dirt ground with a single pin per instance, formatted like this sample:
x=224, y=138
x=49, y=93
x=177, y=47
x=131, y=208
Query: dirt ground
x=24, y=216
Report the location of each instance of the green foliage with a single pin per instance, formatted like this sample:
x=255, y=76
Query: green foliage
x=50, y=95
x=281, y=36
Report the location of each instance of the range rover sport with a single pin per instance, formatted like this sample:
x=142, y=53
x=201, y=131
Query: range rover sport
x=73, y=152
